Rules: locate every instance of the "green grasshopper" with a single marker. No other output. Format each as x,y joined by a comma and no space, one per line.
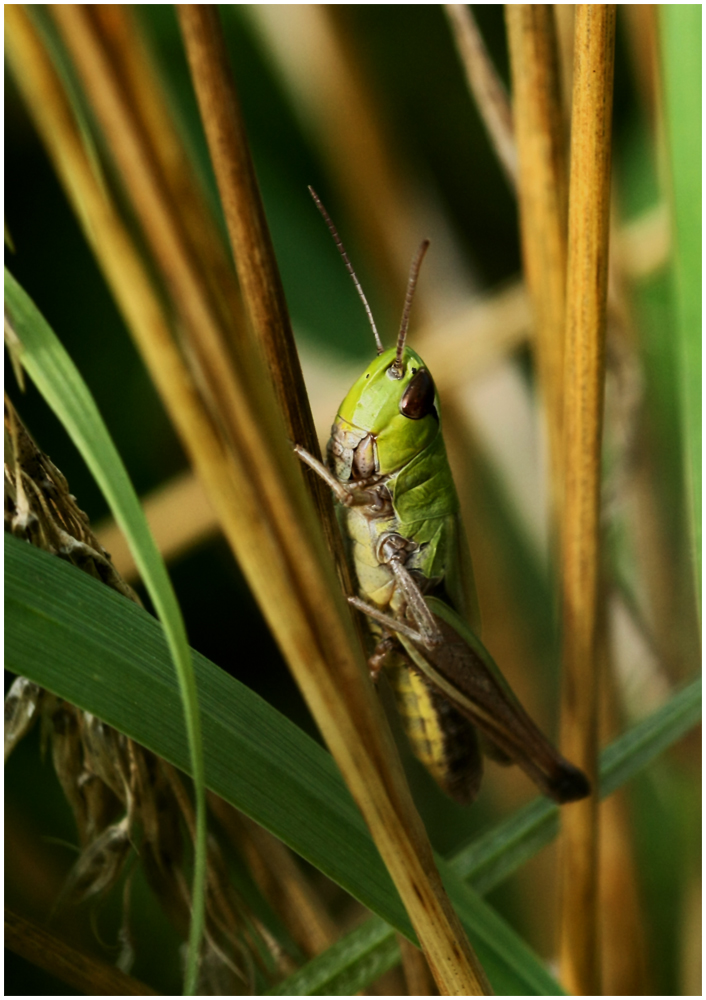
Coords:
388,469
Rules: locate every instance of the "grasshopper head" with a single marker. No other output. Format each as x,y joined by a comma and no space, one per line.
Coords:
391,414
395,402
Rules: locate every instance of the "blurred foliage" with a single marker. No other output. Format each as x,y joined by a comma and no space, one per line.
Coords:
407,56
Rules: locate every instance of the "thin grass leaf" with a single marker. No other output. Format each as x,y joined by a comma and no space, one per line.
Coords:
347,967
681,51
60,383
109,657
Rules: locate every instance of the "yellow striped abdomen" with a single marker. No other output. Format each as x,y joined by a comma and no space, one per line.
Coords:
442,739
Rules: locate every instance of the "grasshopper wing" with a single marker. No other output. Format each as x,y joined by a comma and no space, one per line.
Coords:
463,671
459,582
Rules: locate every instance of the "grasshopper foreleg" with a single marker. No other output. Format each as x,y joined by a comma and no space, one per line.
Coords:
350,495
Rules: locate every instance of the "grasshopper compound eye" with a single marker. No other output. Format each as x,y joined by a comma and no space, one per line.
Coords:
418,399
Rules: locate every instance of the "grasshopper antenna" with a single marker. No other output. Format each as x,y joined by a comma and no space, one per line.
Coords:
349,266
396,366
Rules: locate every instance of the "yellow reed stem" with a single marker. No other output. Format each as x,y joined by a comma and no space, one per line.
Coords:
230,426
589,199
251,244
542,189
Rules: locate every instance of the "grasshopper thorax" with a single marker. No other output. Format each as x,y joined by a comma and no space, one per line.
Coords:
391,414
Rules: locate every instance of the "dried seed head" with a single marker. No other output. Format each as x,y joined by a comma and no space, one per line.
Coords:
105,775
22,704
100,865
106,756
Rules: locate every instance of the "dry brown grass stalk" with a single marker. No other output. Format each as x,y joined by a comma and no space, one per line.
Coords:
622,938
141,80
542,189
237,442
564,21
623,944
328,83
467,344
83,973
249,235
417,977
589,199
486,87
280,880
251,244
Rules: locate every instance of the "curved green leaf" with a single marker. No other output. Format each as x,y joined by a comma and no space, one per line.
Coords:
93,647
59,381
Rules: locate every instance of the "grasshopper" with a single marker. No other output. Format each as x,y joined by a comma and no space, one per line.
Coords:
399,511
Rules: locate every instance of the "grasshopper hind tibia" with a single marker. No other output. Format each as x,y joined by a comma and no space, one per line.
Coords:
570,785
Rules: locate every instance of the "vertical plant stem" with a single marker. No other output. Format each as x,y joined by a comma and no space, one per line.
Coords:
237,440
564,21
486,86
249,235
314,48
264,300
589,199
543,205
622,931
140,76
251,243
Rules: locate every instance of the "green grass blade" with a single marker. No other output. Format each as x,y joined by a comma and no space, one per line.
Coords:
370,950
89,645
348,966
640,745
681,59
497,854
59,381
